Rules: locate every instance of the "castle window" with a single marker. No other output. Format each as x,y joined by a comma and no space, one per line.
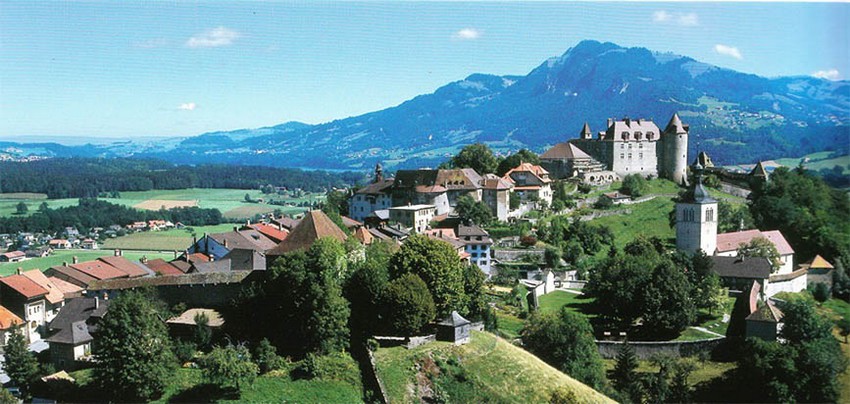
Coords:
622,146
630,155
638,135
625,135
630,145
622,155
640,145
640,155
649,135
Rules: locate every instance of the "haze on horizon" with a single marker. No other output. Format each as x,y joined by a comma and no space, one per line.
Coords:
114,70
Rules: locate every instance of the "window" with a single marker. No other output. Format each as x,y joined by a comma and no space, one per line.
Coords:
622,155
640,146
482,262
630,155
630,146
640,155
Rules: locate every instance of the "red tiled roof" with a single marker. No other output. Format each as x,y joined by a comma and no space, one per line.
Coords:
24,286
536,170
272,232
820,263
99,270
349,222
54,294
79,278
198,257
363,235
566,150
124,265
163,268
731,241
8,319
68,289
14,254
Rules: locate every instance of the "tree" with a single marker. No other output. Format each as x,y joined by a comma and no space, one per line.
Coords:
733,217
21,208
514,200
669,308
840,281
203,332
437,263
625,377
365,287
20,364
552,257
471,211
336,201
514,160
473,288
802,323
634,185
821,292
565,341
248,198
761,247
680,390
267,357
476,156
230,366
134,357
410,303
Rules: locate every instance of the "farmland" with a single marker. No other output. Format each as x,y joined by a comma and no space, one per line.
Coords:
231,202
174,239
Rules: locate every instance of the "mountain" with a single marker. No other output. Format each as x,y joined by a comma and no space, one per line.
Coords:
736,117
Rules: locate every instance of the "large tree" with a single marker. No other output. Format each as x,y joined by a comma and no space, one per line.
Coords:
471,211
514,160
230,366
761,247
410,304
20,364
624,376
134,358
634,185
438,264
565,341
476,156
365,287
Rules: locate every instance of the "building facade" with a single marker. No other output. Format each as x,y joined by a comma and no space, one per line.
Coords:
696,220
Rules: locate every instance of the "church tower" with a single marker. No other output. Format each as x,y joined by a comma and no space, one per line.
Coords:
675,151
696,219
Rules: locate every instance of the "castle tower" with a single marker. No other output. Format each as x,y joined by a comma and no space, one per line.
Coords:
585,132
675,155
696,219
379,173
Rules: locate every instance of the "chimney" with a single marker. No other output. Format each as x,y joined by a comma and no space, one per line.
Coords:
248,223
75,260
610,122
186,254
117,252
144,259
96,302
225,243
235,228
64,263
175,254
18,271
105,296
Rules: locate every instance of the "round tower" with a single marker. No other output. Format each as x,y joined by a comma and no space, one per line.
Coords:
676,151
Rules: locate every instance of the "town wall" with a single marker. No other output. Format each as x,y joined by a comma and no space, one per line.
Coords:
647,349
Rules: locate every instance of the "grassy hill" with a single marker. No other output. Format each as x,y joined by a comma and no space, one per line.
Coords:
487,369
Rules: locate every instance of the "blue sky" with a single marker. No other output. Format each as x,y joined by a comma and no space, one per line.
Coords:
157,68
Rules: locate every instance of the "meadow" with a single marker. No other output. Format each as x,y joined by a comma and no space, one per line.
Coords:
231,202
173,239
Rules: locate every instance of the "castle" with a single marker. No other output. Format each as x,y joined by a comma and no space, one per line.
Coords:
626,147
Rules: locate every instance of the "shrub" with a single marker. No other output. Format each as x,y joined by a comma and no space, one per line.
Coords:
333,366
821,292
410,304
184,350
268,359
528,241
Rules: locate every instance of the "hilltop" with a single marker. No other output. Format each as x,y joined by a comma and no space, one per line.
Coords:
488,367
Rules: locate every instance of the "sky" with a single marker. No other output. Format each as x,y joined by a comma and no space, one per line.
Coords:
165,68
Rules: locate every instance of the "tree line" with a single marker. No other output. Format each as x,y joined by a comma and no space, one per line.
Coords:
88,177
91,212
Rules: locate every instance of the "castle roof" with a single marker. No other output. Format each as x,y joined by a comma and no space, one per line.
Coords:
585,130
675,125
758,170
630,126
565,151
766,313
819,262
315,225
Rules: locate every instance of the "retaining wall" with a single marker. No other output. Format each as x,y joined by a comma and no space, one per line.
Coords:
645,350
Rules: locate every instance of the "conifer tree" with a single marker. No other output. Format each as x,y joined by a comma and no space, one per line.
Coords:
20,364
625,377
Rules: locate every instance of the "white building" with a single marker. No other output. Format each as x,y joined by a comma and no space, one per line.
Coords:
417,217
477,244
696,220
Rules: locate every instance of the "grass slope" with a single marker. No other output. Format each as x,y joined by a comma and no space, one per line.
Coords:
494,371
174,239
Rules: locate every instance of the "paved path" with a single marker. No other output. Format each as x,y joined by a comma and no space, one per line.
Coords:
703,329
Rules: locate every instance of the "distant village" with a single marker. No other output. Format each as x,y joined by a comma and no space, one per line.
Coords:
62,305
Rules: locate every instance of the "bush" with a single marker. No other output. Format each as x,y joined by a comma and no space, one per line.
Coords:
584,188
268,359
821,292
184,350
410,304
634,185
333,366
603,203
528,241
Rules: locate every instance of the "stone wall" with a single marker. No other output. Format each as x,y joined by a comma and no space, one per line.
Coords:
508,255
645,350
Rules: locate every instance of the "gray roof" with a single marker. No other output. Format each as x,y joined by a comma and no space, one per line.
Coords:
250,239
71,325
741,267
186,279
472,230
454,320
246,260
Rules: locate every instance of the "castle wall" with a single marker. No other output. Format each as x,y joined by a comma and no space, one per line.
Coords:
635,157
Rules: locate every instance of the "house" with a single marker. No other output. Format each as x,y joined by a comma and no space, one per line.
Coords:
417,217
315,225
73,331
447,236
9,323
137,226
161,267
616,197
132,269
26,299
739,273
13,256
531,182
477,243
285,222
68,289
184,325
236,260
89,244
765,322
55,298
495,193
98,269
38,252
454,328
372,197
59,244
70,275
71,232
420,187
217,245
728,243
364,236
275,233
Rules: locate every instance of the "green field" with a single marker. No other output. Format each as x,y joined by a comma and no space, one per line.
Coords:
646,219
553,302
231,202
174,239
60,256
488,369
188,386
816,161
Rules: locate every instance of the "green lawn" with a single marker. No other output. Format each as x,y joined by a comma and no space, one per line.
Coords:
646,219
553,302
187,385
174,239
704,371
509,325
60,256
488,369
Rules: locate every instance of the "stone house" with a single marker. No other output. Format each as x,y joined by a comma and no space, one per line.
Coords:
530,182
9,323
26,299
73,331
417,217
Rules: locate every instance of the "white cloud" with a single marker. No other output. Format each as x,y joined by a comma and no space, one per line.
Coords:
467,33
831,74
728,51
187,106
681,19
215,37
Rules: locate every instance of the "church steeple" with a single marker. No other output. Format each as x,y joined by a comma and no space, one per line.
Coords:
585,132
696,218
379,173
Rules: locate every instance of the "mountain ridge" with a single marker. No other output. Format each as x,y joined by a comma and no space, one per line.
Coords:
737,117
